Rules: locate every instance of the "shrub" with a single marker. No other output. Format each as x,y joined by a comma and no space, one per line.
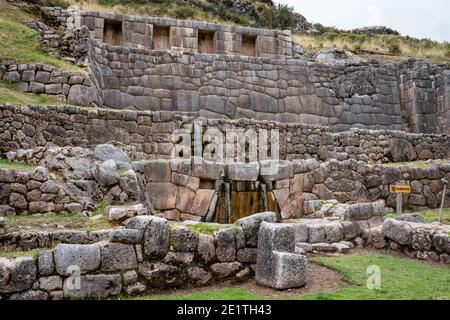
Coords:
278,17
393,47
50,3
182,12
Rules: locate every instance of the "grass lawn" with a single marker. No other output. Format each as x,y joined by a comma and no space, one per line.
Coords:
430,216
420,164
10,93
52,221
400,279
20,166
17,254
19,43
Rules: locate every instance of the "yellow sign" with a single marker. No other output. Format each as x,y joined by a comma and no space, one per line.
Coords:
401,189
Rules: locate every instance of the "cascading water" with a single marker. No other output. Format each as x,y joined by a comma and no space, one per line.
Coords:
241,199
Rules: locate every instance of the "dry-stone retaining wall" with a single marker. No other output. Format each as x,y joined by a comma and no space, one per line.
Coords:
365,95
421,241
149,134
342,93
149,253
37,78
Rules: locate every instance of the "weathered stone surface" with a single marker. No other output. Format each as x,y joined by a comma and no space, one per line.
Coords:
183,239
139,222
50,283
120,214
30,295
46,263
118,257
162,195
276,170
93,286
251,225
243,171
277,265
400,232
247,255
179,258
410,218
128,236
158,171
206,249
156,238
79,95
441,242
129,277
69,256
225,269
106,173
199,275
201,202
17,275
291,271
226,245
106,152
160,275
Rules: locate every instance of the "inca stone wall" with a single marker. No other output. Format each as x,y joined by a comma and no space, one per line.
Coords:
150,134
37,78
365,95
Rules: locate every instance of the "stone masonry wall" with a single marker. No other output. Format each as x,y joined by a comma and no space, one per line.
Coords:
149,134
37,78
362,95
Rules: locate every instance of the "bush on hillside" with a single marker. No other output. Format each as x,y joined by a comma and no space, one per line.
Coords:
278,17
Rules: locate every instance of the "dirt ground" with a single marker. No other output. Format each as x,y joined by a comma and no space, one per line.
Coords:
320,279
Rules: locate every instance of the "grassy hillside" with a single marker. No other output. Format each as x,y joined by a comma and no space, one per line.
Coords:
385,47
19,43
9,93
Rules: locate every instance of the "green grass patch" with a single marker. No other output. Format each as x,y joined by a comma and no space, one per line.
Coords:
17,254
221,294
414,164
205,228
10,93
20,166
52,221
401,279
20,43
430,216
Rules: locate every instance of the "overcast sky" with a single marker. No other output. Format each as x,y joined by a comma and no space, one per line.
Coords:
417,18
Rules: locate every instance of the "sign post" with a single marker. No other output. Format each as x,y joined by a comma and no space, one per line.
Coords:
399,190
445,182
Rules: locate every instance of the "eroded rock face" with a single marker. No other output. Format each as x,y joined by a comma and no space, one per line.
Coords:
17,275
400,232
251,225
277,264
93,286
160,275
85,258
156,238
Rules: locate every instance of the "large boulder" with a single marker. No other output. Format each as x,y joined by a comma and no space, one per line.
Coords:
84,257
277,264
106,173
226,245
160,275
118,257
79,95
156,238
93,286
17,275
106,152
251,225
183,239
399,231
401,150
